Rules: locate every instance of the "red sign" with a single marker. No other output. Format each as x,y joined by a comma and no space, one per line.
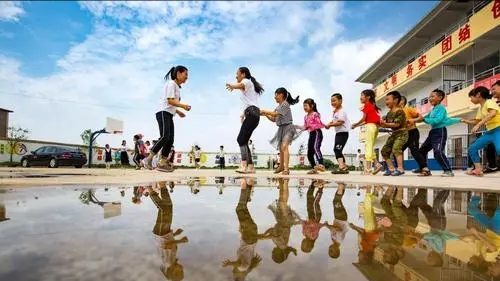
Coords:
488,82
496,9
394,80
446,45
464,34
409,70
301,160
422,62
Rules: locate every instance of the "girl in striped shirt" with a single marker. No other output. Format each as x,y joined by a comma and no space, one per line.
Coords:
312,123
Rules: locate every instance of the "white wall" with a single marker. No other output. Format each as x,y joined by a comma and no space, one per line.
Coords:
181,158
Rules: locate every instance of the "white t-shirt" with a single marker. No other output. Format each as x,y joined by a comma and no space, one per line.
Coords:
339,234
341,115
248,95
171,91
197,154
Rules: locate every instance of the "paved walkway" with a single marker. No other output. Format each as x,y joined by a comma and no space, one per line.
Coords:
15,177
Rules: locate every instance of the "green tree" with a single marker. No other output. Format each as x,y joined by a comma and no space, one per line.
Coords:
85,135
16,136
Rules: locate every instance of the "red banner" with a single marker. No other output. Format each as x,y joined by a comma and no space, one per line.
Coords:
488,81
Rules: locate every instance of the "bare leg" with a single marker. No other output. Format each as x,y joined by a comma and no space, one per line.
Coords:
285,155
341,163
399,160
390,165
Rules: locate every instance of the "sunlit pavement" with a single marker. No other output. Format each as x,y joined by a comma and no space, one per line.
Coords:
19,177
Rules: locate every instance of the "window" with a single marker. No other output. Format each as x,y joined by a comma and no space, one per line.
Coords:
412,103
50,149
424,101
40,150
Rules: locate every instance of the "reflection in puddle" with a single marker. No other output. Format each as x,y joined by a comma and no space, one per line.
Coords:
248,229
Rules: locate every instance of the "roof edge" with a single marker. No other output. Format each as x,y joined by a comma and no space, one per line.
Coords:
442,5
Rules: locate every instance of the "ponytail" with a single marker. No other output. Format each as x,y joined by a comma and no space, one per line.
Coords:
287,96
172,73
370,94
311,103
257,86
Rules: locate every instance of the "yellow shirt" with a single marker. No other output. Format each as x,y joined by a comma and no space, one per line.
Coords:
411,113
482,250
483,112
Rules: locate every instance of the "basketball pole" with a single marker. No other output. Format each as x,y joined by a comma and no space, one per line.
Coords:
93,137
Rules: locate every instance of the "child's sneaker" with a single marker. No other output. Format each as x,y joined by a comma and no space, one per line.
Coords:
320,168
448,174
312,172
148,163
164,167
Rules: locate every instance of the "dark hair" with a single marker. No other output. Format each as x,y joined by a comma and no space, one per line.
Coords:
288,97
337,95
482,91
312,104
395,95
440,93
370,94
404,100
496,83
172,73
256,85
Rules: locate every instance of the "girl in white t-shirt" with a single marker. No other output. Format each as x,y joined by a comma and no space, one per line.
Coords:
197,156
250,92
342,127
169,105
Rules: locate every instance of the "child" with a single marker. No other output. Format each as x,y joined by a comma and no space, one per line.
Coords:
312,123
171,157
413,133
395,120
170,105
282,116
369,235
312,226
107,156
339,227
197,156
436,139
487,114
165,235
156,158
371,120
139,151
222,158
342,126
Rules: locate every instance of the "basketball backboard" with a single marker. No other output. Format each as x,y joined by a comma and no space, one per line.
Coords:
114,126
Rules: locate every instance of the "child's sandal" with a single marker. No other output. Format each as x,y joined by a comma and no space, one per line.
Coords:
286,172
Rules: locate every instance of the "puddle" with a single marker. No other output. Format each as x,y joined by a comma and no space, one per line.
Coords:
245,229
21,175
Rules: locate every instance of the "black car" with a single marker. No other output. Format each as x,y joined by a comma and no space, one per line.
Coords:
54,156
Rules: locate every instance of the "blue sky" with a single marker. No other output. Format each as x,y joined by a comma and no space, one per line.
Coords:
67,65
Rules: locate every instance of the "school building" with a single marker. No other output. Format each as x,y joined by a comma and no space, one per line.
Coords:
454,48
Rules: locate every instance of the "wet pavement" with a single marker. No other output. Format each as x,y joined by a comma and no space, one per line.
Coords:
227,228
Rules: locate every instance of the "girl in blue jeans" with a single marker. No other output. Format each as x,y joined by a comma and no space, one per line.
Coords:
487,114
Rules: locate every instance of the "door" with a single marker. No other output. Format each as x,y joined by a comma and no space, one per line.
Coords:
37,156
47,155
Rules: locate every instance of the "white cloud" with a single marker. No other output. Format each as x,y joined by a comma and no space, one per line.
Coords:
11,10
293,45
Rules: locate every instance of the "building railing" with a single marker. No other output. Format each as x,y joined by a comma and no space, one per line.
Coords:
435,40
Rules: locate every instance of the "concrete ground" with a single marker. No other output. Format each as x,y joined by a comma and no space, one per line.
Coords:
16,177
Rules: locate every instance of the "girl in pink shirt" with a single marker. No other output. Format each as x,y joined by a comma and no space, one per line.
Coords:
312,123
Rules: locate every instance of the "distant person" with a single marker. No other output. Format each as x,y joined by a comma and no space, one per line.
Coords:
107,156
360,158
148,146
222,158
140,151
171,157
197,156
124,154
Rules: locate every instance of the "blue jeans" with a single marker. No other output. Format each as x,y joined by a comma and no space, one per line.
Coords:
491,136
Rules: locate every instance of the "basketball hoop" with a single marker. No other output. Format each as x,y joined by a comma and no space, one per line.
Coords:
117,132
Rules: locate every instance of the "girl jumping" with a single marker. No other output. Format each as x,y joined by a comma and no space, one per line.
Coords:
312,123
342,126
371,120
250,92
487,114
282,115
175,77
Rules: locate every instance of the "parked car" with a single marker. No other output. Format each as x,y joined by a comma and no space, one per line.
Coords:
54,156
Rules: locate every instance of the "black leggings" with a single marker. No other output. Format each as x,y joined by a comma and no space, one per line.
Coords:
166,140
413,143
314,147
137,159
252,118
340,141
